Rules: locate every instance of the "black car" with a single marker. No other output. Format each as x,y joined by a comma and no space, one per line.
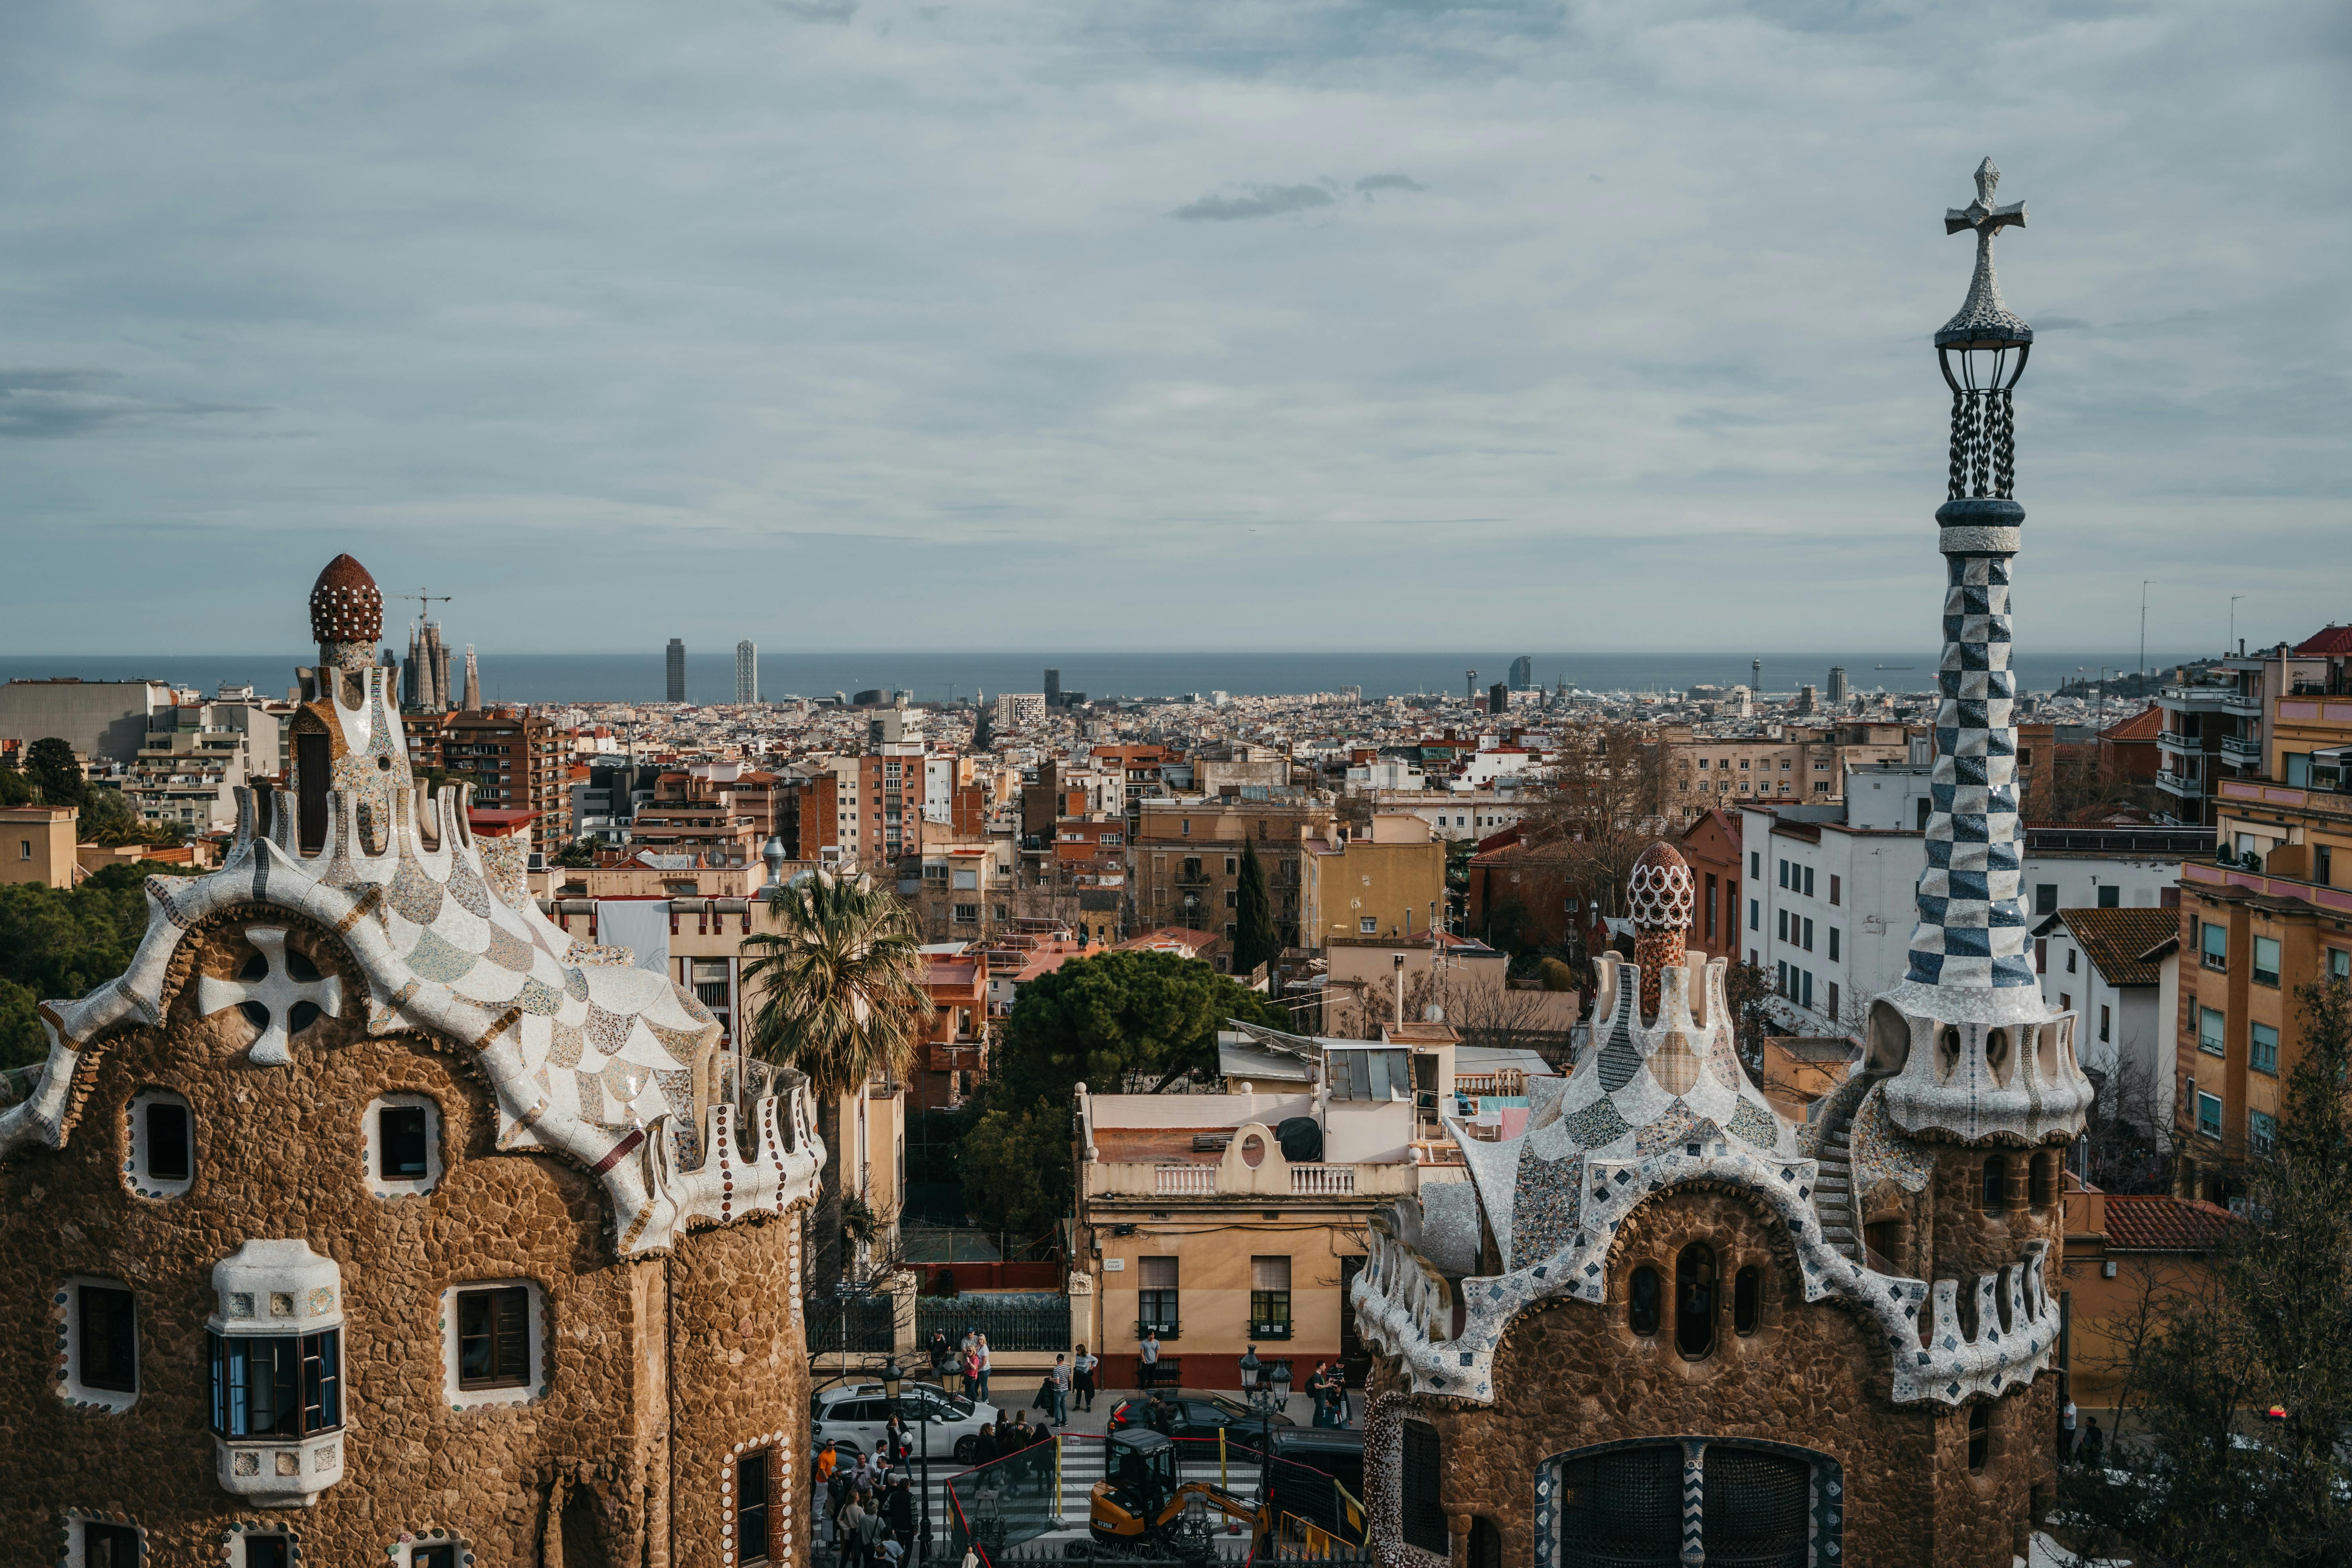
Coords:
1194,1416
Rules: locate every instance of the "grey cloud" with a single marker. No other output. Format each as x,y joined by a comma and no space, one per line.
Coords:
2062,324
818,10
1390,183
36,404
1264,201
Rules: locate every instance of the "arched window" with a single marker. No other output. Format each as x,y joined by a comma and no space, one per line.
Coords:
1996,1183
1695,1303
1642,1301
1980,1437
1747,1301
2045,1179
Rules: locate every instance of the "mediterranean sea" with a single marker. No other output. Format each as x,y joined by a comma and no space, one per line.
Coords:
539,677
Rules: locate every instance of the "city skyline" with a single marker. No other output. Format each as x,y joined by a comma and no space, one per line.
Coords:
1515,315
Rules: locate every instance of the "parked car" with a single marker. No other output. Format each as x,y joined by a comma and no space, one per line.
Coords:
1195,1415
854,1415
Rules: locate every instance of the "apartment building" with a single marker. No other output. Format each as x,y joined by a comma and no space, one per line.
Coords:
2270,913
516,761
1830,907
1386,879
1188,858
1216,1222
1455,814
2214,728
953,1058
2116,969
965,888
98,719
194,757
1801,766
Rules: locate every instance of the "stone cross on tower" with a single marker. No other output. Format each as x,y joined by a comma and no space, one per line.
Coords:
1983,320
276,992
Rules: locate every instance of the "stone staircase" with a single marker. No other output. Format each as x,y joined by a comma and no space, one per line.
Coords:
1834,1197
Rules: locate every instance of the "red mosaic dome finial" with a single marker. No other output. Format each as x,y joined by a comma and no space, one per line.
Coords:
345,605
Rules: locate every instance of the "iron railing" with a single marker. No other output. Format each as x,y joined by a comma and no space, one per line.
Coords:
1012,1321
850,1324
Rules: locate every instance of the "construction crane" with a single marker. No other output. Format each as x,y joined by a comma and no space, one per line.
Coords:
424,601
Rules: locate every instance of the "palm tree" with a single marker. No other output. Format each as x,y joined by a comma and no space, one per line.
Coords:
841,998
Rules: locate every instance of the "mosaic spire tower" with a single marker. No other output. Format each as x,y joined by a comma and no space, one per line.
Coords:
1976,1050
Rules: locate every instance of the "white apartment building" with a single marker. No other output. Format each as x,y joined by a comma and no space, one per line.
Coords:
2117,969
1830,909
195,756
1468,815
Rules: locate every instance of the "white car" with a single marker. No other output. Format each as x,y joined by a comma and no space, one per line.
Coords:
859,1412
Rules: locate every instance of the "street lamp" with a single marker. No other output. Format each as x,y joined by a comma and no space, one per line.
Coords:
1265,1394
894,1377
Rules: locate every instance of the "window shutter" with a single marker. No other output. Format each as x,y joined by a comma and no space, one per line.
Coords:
513,1330
1158,1273
1269,1273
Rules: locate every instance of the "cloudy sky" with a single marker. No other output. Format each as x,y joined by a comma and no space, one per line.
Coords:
1140,323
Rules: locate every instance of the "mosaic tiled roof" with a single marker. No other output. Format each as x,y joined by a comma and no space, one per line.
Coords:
610,1065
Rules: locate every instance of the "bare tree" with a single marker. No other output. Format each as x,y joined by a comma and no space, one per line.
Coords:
1615,789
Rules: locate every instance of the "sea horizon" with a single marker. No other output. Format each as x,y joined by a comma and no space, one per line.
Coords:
936,676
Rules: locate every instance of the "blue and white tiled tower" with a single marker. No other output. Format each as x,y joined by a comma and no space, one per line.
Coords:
1975,1049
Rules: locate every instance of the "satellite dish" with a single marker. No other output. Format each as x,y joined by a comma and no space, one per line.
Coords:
1432,1013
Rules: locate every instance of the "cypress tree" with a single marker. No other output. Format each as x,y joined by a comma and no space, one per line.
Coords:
1253,940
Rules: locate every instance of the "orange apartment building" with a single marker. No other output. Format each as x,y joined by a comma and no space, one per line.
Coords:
516,761
2272,913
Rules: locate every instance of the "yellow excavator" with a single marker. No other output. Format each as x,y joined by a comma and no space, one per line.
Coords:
1141,1502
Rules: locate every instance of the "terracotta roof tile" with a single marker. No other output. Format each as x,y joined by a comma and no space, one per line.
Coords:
2333,639
2155,1222
2116,938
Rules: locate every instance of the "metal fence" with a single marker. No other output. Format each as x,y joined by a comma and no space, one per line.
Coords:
853,1324
1012,1320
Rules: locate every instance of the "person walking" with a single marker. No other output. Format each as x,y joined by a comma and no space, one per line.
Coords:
1060,1385
1082,1369
970,1371
845,1526
1147,1359
2066,1431
943,1357
982,1350
899,1509
2095,1446
871,1532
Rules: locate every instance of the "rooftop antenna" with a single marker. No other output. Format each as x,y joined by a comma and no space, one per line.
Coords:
2140,674
2234,625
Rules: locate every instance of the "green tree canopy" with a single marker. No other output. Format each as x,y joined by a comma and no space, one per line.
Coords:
1121,1022
16,789
56,943
1253,940
49,763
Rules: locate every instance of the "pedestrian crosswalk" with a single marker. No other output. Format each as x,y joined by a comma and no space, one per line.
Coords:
1065,1513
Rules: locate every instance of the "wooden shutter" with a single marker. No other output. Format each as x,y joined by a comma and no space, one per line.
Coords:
510,1353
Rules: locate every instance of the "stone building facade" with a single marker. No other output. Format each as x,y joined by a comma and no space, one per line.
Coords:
369,1217
1667,1325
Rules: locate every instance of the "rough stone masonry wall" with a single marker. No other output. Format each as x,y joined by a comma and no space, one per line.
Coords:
1813,1374
578,1476
738,1380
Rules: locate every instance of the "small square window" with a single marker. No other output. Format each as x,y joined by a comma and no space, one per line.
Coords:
2262,1133
2266,961
2210,1032
264,1551
104,1328
2262,1048
495,1334
105,1545
2209,1114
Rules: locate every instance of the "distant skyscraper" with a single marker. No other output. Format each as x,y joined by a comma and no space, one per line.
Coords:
747,671
1522,672
1469,685
1351,694
473,703
1837,686
1052,688
1498,698
1756,678
425,678
676,669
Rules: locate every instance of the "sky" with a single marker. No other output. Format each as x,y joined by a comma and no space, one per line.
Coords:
1159,323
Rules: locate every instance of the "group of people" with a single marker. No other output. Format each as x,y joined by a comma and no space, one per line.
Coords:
2093,1441
1328,1387
967,1359
868,1508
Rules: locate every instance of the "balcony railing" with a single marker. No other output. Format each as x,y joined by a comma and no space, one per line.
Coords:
2173,784
1184,1181
2242,750
1322,1181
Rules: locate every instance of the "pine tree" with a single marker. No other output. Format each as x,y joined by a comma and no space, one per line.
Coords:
1254,924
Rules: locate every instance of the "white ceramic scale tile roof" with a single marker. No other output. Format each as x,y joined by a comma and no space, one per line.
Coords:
589,1057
